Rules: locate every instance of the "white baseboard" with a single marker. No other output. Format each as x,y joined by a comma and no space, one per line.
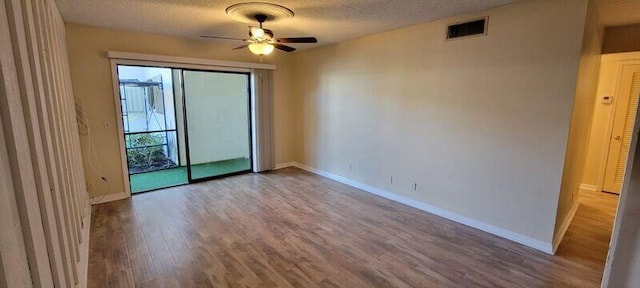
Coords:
557,239
83,264
501,232
589,187
285,165
108,198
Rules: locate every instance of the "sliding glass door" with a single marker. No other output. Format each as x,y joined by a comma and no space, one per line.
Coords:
217,109
183,126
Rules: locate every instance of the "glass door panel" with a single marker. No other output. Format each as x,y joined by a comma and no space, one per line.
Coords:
217,120
149,124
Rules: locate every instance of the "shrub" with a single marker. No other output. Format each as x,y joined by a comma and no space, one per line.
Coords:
145,150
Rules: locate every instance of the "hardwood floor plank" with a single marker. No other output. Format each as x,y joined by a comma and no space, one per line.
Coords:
162,260
291,228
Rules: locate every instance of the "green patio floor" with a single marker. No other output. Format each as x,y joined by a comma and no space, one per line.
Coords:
178,176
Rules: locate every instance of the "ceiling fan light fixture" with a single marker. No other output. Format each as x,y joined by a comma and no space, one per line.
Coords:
257,32
261,40
263,48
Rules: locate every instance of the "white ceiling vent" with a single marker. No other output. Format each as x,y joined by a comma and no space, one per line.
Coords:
469,28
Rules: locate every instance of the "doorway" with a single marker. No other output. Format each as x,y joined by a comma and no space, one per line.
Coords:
626,105
606,165
615,109
183,126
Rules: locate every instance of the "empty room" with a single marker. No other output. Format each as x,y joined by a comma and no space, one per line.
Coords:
300,143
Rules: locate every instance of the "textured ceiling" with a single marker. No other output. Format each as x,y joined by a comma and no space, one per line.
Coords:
329,20
619,12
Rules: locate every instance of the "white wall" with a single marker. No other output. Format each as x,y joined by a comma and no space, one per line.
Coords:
480,124
217,116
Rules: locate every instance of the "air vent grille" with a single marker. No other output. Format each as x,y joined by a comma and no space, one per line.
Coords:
468,28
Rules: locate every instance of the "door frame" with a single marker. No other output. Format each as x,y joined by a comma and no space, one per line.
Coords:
134,59
185,122
612,117
620,60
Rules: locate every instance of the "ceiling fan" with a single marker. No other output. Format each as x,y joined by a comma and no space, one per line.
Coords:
261,40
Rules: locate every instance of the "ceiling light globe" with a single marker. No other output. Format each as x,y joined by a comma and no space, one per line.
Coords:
257,32
261,48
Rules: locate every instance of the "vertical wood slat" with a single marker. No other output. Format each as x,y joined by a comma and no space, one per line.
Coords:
72,145
51,133
71,120
43,145
60,159
83,198
68,119
69,108
62,125
13,262
20,146
40,139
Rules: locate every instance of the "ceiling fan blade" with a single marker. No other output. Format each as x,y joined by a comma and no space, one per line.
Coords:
241,47
284,47
298,40
223,38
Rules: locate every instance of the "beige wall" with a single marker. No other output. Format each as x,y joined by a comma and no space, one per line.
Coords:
480,124
622,39
91,75
581,119
593,176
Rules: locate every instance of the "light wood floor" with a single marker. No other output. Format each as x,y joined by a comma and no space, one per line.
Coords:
290,228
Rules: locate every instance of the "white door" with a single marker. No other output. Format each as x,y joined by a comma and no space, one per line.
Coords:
626,105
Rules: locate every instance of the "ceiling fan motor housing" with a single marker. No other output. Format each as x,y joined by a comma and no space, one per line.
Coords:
261,18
